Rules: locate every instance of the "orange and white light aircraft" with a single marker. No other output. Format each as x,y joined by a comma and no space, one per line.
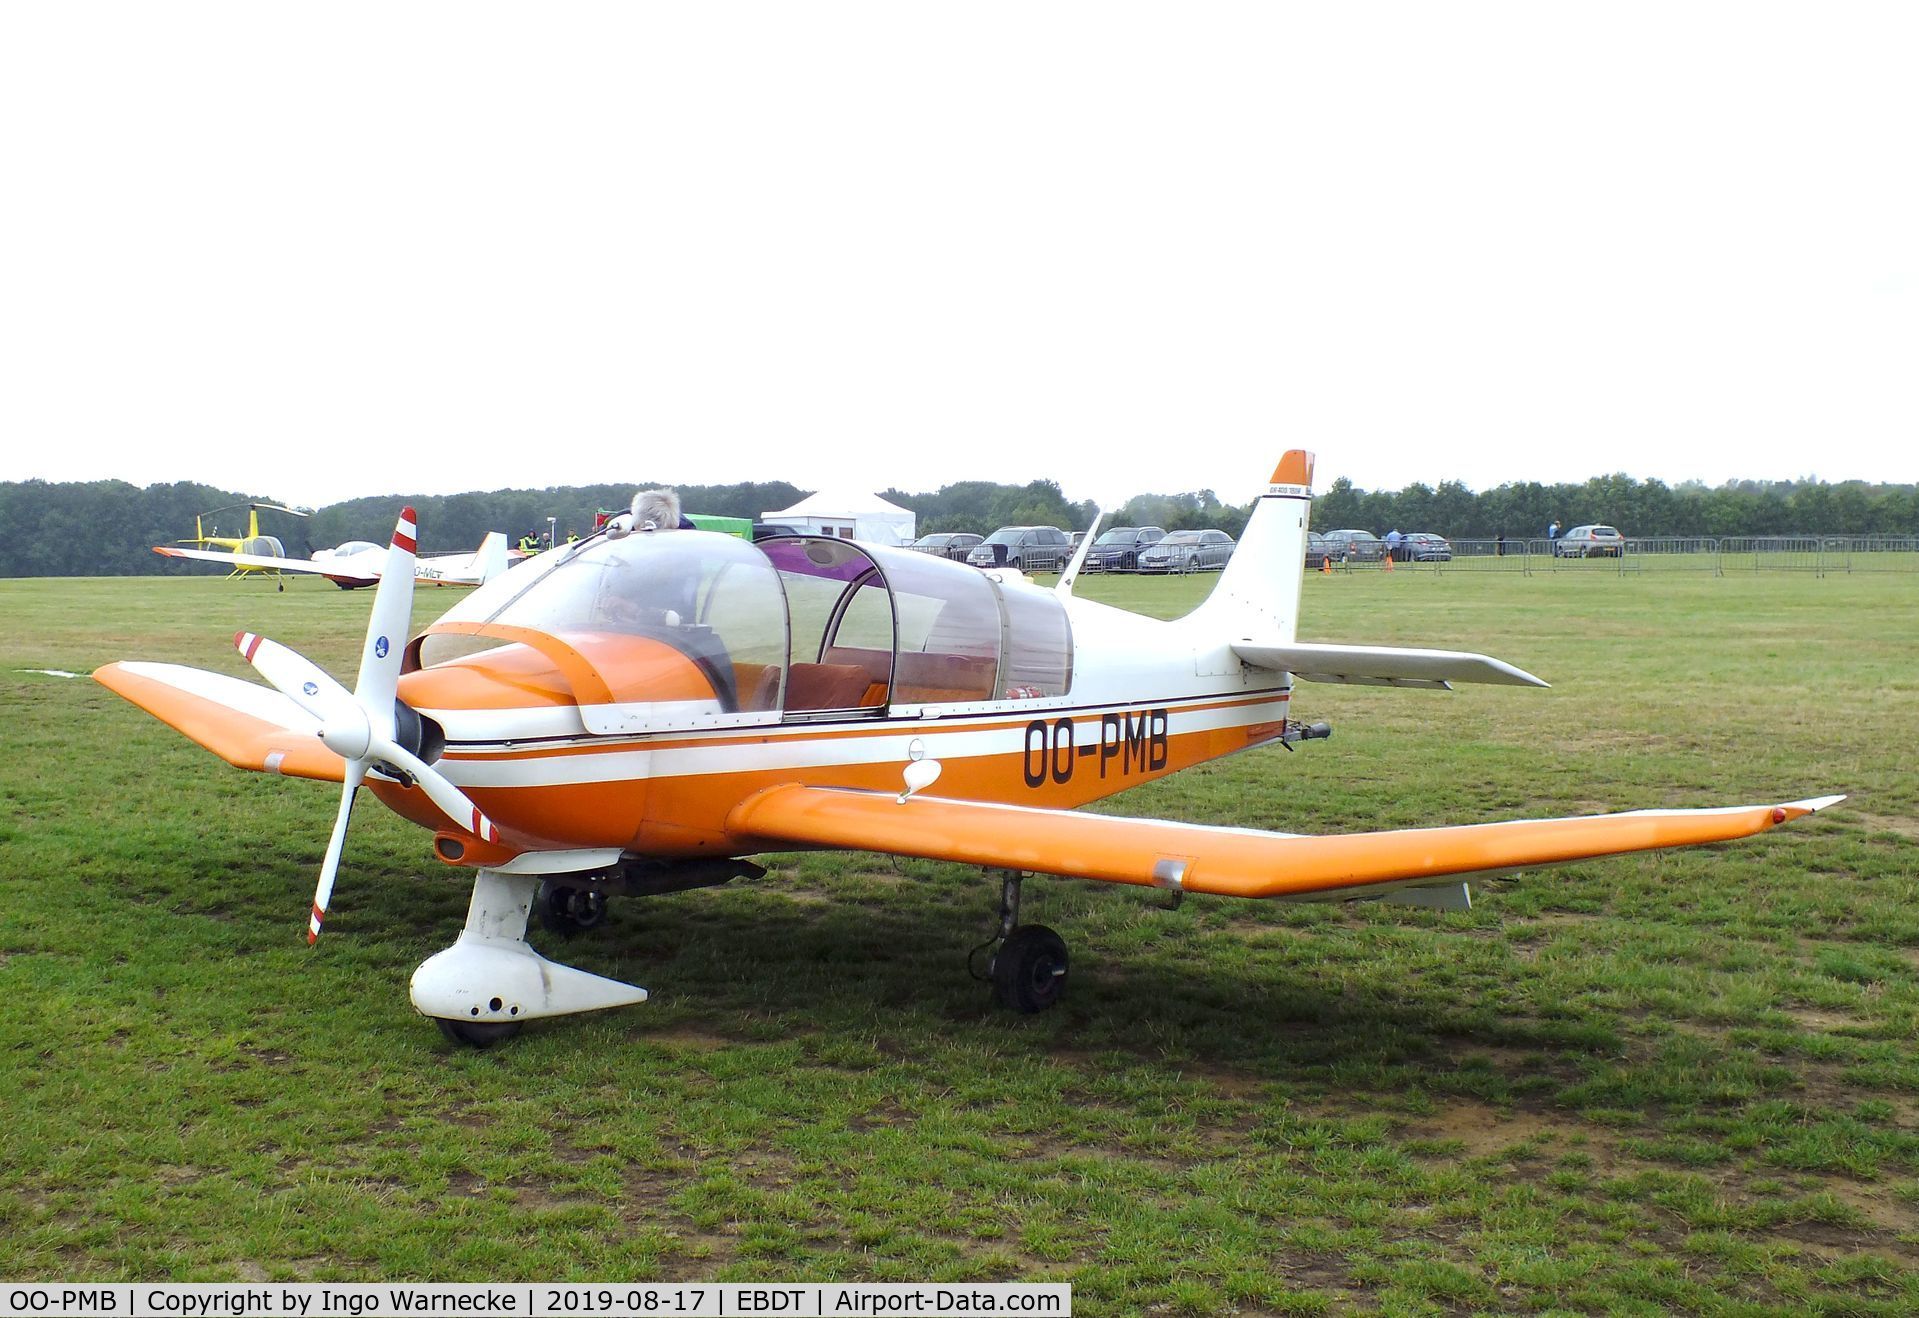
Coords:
361,562
637,712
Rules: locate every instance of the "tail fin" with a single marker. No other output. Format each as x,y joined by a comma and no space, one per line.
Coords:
1257,596
489,561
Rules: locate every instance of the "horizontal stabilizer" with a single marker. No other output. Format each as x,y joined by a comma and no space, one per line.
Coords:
1381,665
1234,862
245,724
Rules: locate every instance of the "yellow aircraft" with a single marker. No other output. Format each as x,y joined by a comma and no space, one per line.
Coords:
265,546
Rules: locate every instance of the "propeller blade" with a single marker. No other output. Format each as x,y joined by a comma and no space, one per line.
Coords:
295,676
387,628
453,802
355,772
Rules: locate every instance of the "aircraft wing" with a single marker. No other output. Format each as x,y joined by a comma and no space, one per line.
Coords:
1382,665
261,561
1235,862
251,726
467,569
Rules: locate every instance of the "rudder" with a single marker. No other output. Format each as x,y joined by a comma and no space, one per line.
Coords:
1257,594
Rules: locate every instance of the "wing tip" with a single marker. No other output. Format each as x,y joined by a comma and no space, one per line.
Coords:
1811,805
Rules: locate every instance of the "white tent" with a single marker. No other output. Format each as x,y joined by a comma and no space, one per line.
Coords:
850,515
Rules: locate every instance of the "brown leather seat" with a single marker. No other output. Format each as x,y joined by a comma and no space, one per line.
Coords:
825,686
758,685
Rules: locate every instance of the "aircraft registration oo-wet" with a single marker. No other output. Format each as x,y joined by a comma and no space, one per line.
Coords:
640,711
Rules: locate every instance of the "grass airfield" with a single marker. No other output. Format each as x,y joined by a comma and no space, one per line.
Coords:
1674,1082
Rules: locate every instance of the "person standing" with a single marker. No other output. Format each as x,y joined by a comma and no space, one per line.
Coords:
1393,539
1552,532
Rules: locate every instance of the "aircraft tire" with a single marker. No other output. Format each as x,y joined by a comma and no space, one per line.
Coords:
1029,970
569,911
477,1034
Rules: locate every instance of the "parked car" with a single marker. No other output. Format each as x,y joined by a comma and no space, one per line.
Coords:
1590,542
1028,548
1316,550
767,530
1352,546
1117,549
1424,547
1187,551
947,544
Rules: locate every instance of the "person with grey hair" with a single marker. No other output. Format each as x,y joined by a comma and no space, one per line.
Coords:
659,510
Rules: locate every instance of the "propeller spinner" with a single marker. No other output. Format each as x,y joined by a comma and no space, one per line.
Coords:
359,725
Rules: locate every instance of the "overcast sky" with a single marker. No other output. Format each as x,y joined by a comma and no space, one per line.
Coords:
324,251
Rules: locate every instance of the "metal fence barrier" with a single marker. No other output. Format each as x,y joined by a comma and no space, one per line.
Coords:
1671,553
1483,556
1821,555
1881,553
1775,553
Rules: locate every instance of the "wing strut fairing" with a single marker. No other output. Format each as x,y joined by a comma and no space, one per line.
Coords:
1234,862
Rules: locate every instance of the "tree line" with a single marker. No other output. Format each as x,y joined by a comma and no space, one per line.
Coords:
109,528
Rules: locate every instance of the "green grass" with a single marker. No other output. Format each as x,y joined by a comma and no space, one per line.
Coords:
1683,1081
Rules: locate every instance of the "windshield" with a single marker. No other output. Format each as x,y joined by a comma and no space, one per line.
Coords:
1119,535
713,598
1182,538
1008,536
802,627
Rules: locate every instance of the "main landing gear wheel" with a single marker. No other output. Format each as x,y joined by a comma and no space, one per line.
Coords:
477,1034
1029,970
1028,965
566,910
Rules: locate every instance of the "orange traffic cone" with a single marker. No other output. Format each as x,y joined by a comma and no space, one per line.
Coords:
1326,565
1389,560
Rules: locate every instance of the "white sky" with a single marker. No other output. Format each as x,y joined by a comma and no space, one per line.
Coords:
323,251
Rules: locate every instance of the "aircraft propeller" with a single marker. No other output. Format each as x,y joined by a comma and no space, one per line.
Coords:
359,725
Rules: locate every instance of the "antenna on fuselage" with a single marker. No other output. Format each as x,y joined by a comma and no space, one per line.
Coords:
1064,587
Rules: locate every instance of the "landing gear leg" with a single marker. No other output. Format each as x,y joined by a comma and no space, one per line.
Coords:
479,990
1028,961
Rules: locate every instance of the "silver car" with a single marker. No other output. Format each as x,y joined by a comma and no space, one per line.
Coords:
1187,551
1590,542
947,544
1027,548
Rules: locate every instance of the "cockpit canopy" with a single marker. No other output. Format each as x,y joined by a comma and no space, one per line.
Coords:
800,627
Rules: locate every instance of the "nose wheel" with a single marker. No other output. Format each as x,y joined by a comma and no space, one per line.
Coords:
477,1034
480,990
1027,962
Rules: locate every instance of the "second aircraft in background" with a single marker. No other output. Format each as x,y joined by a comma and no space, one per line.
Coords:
360,562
